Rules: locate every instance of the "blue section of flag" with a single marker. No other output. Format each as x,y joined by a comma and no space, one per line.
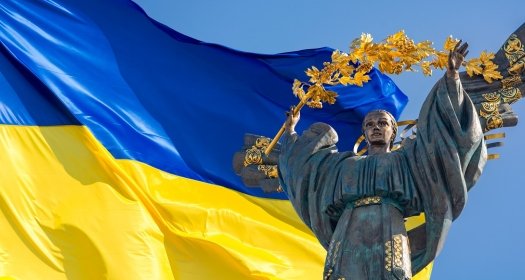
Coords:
154,95
25,100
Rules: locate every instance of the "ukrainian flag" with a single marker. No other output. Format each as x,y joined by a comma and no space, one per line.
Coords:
116,141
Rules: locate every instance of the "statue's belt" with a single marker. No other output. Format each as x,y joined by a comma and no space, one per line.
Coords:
373,200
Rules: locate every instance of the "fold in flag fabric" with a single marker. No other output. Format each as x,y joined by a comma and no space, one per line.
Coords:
116,140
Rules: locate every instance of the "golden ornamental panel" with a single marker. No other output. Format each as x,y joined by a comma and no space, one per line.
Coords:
397,255
513,49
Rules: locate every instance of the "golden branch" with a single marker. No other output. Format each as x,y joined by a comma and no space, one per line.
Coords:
394,55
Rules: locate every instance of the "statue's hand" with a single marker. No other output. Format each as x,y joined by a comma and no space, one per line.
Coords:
291,120
456,58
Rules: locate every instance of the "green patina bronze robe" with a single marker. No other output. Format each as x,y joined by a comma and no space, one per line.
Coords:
356,205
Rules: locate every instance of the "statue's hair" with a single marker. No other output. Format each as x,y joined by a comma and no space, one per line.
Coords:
392,121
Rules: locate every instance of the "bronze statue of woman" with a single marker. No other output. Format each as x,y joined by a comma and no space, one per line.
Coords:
356,205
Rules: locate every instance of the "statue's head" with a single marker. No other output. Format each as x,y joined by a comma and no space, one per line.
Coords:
380,129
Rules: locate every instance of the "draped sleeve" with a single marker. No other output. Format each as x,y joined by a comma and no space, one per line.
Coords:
446,159
310,169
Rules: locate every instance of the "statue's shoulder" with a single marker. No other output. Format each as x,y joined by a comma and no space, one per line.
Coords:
321,130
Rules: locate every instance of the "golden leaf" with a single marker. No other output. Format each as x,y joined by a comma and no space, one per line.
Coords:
360,78
313,73
346,70
490,72
425,67
473,66
356,55
426,47
450,43
315,101
365,67
345,80
385,67
340,57
328,96
396,37
297,89
486,57
366,38
395,54
441,60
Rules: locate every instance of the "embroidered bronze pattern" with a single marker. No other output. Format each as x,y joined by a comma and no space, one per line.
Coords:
367,201
397,254
328,274
331,258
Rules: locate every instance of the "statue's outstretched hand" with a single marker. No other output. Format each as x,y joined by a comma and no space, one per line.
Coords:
456,58
291,119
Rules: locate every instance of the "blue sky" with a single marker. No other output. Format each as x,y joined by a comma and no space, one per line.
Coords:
486,240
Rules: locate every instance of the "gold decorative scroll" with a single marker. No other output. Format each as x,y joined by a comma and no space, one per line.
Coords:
255,153
515,54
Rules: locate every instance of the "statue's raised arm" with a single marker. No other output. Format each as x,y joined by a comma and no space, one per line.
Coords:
446,158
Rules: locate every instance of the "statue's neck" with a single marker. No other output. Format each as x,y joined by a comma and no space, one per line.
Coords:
378,149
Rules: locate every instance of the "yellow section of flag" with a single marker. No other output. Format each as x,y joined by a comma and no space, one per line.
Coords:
69,210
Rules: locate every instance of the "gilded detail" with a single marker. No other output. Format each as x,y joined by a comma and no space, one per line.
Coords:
262,142
511,81
269,170
490,106
367,201
494,121
510,95
397,254
253,156
492,97
331,258
490,109
513,49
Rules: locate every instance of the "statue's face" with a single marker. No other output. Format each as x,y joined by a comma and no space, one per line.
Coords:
377,128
